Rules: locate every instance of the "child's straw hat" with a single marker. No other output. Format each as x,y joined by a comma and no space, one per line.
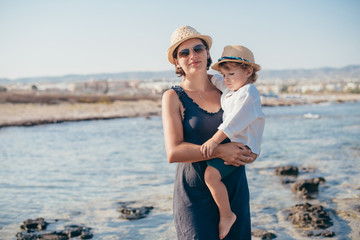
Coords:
237,53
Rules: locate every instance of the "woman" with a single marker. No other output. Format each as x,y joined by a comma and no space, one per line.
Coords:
191,114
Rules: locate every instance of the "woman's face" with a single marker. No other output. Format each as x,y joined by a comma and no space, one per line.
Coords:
192,56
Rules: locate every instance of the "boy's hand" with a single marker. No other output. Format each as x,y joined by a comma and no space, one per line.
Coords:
208,147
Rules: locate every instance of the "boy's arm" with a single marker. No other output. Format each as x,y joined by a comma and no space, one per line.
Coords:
208,147
219,136
218,81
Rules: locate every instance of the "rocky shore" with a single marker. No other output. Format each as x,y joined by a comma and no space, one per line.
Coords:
33,229
29,109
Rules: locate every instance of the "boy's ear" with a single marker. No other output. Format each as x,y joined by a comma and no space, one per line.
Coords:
249,71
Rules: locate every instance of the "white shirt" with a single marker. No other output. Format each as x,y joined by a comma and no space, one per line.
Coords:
243,119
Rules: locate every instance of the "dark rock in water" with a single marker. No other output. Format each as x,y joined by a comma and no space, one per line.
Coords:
43,236
70,231
263,234
308,196
287,181
34,224
307,215
26,236
308,186
327,234
319,234
319,179
306,170
77,231
53,236
134,213
287,170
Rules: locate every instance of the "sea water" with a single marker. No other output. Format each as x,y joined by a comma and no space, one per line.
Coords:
78,172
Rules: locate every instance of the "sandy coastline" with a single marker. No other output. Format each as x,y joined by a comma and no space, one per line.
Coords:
29,112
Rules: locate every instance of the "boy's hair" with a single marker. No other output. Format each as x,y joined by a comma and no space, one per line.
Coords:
179,71
227,65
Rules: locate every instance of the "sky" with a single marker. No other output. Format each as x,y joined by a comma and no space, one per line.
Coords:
60,37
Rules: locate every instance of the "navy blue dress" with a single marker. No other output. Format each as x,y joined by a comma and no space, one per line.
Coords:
196,215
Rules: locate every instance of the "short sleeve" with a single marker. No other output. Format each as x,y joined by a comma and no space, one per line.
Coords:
218,82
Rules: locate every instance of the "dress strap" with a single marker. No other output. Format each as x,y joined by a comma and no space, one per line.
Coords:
184,98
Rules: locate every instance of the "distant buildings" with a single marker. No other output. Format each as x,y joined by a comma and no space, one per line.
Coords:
155,87
98,87
309,86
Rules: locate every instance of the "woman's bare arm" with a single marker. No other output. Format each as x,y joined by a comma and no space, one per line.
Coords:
176,149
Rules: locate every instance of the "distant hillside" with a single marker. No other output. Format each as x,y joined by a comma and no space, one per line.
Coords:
100,76
352,71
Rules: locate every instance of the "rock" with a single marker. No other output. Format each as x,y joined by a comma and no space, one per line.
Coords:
26,236
327,234
287,170
307,170
305,186
77,231
263,234
308,186
307,196
34,224
34,232
309,216
287,181
43,236
133,213
319,233
53,236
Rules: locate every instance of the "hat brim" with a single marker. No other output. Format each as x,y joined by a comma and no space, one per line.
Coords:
172,48
217,68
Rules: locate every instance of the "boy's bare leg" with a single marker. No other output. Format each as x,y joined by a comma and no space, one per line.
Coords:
220,194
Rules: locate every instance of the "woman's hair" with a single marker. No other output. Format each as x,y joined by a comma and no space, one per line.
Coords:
179,71
227,65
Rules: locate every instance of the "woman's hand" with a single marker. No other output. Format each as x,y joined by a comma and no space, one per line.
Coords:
235,154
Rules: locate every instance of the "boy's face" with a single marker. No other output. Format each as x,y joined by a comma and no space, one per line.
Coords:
235,77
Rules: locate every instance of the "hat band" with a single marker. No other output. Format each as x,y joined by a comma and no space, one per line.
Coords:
233,58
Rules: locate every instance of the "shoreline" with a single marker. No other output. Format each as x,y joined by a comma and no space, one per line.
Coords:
30,114
30,110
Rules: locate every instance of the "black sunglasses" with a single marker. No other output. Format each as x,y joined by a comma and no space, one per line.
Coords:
186,52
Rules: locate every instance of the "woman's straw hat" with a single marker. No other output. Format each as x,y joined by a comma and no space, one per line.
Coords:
182,34
237,53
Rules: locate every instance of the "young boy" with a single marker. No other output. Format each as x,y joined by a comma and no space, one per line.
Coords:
243,121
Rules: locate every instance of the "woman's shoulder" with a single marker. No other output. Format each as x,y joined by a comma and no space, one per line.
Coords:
174,89
171,103
170,93
174,94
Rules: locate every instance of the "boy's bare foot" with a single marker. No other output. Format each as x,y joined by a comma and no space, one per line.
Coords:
226,224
